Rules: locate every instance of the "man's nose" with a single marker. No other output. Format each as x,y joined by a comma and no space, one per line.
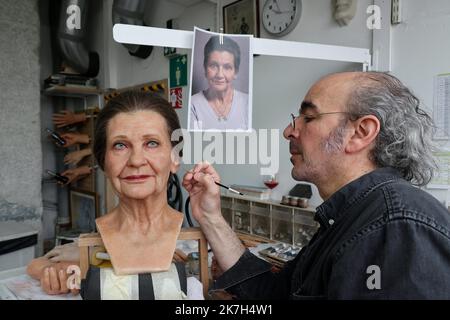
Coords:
287,131
290,132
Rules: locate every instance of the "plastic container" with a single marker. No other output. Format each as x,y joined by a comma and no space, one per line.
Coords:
225,202
241,221
286,200
302,202
282,224
304,227
260,214
241,215
293,201
228,215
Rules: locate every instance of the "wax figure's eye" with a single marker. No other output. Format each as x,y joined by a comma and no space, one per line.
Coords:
119,146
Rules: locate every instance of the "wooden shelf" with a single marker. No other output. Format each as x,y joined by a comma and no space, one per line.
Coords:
71,91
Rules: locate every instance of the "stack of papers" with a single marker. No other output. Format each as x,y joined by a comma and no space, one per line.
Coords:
261,193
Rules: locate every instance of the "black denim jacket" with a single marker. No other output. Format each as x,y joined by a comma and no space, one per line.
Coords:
379,238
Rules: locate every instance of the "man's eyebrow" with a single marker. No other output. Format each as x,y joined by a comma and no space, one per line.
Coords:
307,105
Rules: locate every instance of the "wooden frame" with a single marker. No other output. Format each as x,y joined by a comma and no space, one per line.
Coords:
87,182
83,205
241,17
88,241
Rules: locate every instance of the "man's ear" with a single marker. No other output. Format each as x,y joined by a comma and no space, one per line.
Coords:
366,130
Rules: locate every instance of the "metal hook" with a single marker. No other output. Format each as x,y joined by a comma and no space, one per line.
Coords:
221,36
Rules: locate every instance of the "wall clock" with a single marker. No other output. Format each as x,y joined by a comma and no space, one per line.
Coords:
279,17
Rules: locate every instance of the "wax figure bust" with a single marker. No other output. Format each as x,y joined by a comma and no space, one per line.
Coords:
152,251
133,146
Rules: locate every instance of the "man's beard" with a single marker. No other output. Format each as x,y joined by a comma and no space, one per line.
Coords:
310,170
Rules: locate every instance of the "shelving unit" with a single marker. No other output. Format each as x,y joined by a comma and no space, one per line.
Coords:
80,92
269,219
88,100
72,91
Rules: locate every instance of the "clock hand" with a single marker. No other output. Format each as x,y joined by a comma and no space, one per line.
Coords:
278,6
279,11
275,11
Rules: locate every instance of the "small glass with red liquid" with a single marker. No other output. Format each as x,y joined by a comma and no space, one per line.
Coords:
271,181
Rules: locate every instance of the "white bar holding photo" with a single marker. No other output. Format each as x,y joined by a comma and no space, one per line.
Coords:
183,39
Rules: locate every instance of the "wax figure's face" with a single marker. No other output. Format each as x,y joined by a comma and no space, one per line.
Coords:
317,144
138,154
220,70
344,11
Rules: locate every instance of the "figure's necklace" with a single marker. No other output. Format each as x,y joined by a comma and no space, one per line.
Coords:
222,113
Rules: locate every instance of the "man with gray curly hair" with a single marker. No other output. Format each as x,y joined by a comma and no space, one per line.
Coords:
364,141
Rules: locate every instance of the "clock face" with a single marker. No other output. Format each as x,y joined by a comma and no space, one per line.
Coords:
279,17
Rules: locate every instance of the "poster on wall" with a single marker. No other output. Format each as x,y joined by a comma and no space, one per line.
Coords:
441,108
441,178
242,17
220,95
84,209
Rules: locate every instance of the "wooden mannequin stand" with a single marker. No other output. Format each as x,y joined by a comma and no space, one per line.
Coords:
89,241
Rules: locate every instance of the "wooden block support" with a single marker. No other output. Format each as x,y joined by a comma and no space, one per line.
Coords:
88,240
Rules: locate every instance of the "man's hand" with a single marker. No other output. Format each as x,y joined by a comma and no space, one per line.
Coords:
67,117
204,193
205,205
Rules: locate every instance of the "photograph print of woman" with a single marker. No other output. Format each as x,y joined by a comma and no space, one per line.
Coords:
221,82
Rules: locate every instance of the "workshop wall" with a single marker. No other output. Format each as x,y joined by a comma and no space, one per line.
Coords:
420,51
54,198
418,45
20,128
279,83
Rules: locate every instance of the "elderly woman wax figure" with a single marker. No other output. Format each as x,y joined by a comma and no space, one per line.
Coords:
134,148
220,106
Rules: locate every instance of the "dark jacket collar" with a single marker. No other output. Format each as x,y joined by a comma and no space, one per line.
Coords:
330,211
